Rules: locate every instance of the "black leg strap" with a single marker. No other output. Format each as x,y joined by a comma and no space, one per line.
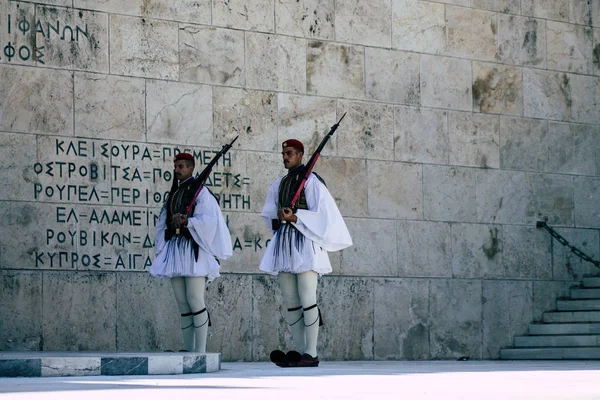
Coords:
320,319
207,320
296,309
187,315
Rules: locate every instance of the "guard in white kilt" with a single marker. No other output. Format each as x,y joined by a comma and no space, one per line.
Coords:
187,243
302,236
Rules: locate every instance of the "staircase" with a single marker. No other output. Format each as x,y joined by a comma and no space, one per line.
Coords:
570,333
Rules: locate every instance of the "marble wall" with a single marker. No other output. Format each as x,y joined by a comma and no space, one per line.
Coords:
467,121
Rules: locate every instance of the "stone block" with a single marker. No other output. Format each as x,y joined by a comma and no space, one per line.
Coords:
497,89
557,10
85,46
165,365
308,119
585,97
13,13
263,168
449,193
367,131
392,76
23,248
249,237
179,113
30,368
335,70
21,314
568,47
395,190
346,180
471,33
124,366
552,198
251,114
503,197
507,311
521,40
350,336
595,66
84,313
584,12
587,196
477,251
364,23
70,366
148,317
527,253
455,311
17,176
524,144
211,55
559,96
503,6
474,140
229,301
286,58
144,47
25,106
424,249
374,251
250,15
401,326
306,18
270,329
572,148
421,135
566,266
196,11
194,364
418,26
438,91
545,294
109,107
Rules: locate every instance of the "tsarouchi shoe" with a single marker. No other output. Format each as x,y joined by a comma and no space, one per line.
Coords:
278,357
306,360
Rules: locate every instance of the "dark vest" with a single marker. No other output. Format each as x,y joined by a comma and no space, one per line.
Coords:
176,203
289,186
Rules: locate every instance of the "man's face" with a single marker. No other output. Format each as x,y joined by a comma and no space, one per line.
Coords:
291,158
182,171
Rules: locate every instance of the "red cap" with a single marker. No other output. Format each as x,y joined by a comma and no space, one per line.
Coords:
184,156
296,144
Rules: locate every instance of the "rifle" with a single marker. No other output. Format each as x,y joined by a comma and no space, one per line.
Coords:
311,164
198,183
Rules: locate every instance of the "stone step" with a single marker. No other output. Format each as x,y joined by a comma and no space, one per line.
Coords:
565,329
586,293
571,316
552,353
578,305
47,363
558,341
591,282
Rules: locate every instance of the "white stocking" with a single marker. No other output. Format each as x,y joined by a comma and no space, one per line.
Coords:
187,322
195,288
307,289
289,287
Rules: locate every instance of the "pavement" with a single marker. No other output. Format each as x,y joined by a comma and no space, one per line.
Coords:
463,380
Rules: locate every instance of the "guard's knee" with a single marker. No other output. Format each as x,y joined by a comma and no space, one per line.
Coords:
318,318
